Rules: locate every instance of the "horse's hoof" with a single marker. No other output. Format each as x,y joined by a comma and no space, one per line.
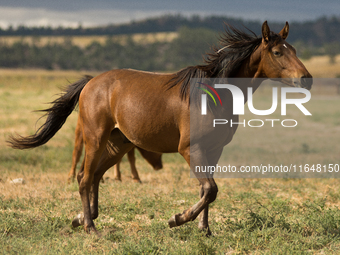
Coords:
172,221
91,230
137,180
78,221
158,167
206,231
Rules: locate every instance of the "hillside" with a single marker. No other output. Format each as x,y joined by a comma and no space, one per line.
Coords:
166,43
313,33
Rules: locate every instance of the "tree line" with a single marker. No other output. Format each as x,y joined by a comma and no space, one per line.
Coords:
313,33
185,50
194,40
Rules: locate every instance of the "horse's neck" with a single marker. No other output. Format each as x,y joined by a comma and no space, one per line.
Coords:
250,69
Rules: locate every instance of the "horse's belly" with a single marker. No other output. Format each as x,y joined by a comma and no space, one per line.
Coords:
152,137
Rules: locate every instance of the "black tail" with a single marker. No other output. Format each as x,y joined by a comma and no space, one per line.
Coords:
56,117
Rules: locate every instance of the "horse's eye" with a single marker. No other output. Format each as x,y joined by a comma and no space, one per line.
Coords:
276,53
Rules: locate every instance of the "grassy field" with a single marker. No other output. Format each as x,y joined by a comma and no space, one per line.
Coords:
320,67
250,216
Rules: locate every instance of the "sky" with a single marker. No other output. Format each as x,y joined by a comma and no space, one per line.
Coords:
89,13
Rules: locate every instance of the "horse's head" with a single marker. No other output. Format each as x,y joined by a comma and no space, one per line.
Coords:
279,60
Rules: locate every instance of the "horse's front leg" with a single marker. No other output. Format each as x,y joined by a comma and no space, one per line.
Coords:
203,224
208,189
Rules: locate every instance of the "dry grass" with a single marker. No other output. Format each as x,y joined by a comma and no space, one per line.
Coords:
250,216
320,67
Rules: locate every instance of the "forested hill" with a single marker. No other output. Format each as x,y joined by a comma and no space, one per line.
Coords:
314,33
194,36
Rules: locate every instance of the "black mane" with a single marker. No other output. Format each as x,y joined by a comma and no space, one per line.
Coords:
225,61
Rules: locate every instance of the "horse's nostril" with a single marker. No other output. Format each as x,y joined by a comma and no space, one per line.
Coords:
306,82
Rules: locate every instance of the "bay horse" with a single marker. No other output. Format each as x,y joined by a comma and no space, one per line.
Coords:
123,108
153,158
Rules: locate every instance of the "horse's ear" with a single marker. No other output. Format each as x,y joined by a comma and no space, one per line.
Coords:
265,32
284,32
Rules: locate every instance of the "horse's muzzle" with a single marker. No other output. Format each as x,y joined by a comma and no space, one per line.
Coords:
306,82
303,82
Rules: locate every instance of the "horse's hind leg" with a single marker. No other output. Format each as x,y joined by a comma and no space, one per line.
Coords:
81,171
117,175
77,151
95,138
115,149
107,160
132,161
